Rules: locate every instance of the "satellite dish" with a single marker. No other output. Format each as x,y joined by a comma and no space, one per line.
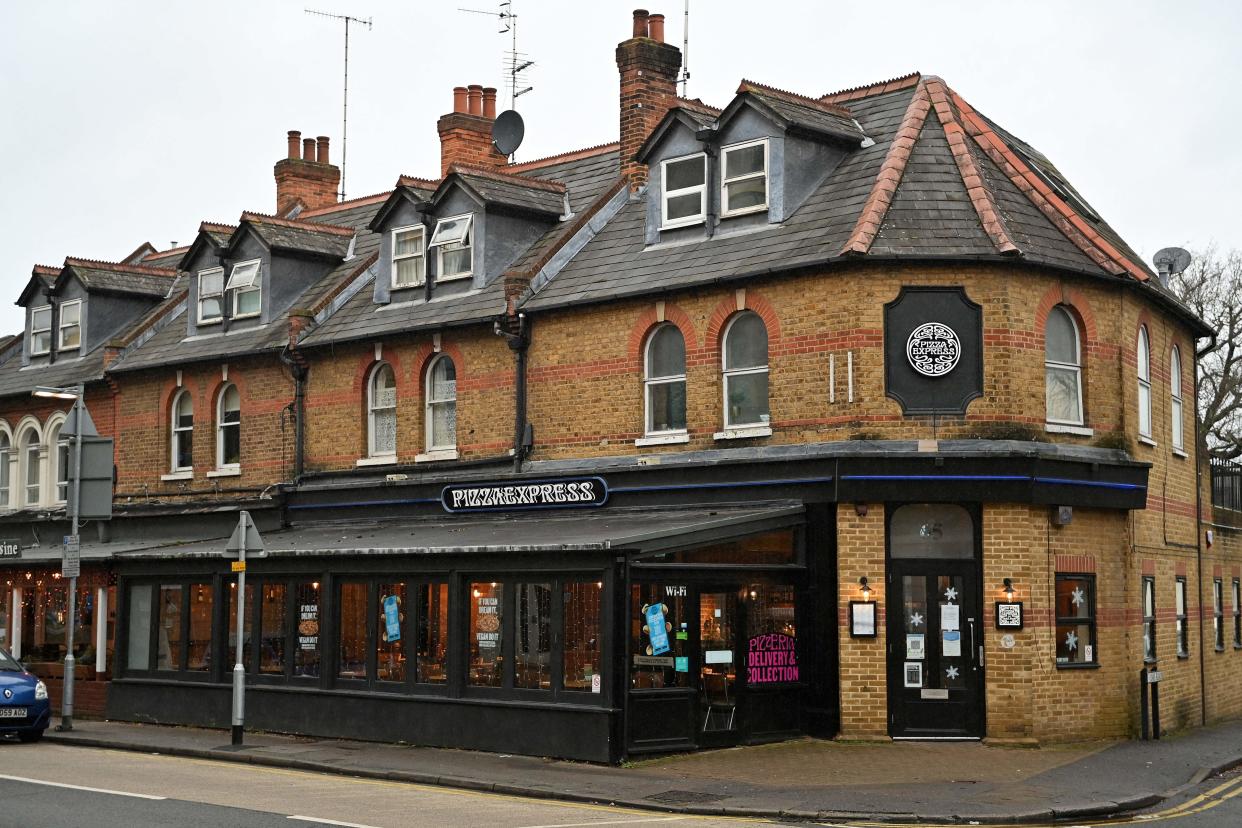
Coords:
507,132
1171,261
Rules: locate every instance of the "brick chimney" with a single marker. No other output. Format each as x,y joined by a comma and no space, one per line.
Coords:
648,68
306,176
466,132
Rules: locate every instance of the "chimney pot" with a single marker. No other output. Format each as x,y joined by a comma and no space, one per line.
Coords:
308,149
640,22
656,27
321,151
295,138
476,99
459,99
489,102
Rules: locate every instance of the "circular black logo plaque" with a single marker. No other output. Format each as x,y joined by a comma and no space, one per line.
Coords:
933,349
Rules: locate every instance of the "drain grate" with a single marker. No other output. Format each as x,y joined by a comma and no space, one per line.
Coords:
685,797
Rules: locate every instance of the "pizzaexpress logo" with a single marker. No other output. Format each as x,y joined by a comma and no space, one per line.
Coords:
537,494
933,349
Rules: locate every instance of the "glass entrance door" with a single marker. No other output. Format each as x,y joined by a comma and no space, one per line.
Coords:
718,666
935,635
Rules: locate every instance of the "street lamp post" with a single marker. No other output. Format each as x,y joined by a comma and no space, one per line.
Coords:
79,408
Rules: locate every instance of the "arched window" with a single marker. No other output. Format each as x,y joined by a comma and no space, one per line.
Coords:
6,453
665,381
30,465
746,372
1175,397
441,405
1143,356
58,449
182,426
382,412
228,428
1062,369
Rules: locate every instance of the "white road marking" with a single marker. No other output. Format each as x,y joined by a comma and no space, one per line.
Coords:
320,821
609,822
78,787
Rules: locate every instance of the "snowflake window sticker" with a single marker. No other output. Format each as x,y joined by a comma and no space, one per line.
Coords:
1076,598
951,673
1071,641
950,594
916,620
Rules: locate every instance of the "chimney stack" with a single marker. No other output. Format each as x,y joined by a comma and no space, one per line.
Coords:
648,68
466,132
304,176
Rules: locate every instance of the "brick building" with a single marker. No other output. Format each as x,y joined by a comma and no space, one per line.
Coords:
838,414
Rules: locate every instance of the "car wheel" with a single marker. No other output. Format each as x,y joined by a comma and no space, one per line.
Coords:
31,736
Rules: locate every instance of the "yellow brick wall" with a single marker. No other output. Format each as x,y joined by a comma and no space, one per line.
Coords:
863,676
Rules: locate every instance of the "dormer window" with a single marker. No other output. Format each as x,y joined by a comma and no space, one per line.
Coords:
246,288
41,330
452,242
744,178
210,296
70,325
409,267
685,191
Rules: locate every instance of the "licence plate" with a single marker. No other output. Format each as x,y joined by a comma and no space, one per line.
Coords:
12,712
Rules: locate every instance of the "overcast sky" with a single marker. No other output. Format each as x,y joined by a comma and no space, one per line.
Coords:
129,121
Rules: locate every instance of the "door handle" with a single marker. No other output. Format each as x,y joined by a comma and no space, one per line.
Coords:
971,622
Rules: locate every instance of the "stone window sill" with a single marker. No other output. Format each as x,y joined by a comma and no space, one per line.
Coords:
433,456
1062,428
383,460
745,433
1095,665
663,439
180,475
1179,453
1147,441
234,471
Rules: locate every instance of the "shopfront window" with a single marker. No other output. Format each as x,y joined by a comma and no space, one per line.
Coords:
582,625
485,634
931,530
168,654
534,641
198,648
390,638
272,632
139,640
433,621
659,636
353,631
771,648
306,656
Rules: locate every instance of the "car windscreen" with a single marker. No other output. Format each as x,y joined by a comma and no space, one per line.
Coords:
8,664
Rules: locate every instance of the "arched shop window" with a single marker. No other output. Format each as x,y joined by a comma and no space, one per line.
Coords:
182,429
1063,369
382,412
746,372
931,530
665,381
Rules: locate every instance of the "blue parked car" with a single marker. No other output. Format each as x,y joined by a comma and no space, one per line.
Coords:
24,708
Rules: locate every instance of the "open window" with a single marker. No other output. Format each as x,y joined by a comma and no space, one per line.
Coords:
246,288
452,242
744,178
41,330
70,326
409,268
210,295
685,191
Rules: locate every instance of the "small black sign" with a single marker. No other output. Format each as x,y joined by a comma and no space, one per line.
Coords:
933,350
562,493
10,548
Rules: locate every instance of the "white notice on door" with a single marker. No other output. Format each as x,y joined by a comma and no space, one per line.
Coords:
950,617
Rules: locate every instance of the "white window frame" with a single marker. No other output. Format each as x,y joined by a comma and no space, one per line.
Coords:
176,430
726,373
649,382
1142,358
26,463
421,255
7,454
56,447
725,181
1076,367
61,326
34,329
1177,438
666,194
465,238
210,320
221,425
246,281
429,402
372,408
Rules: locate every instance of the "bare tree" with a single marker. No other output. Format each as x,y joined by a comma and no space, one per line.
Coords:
1212,288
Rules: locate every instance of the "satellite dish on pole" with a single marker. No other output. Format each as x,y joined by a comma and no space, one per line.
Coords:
1170,261
507,132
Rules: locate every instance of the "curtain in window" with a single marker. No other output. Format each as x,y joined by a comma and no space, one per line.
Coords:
383,411
1063,369
442,405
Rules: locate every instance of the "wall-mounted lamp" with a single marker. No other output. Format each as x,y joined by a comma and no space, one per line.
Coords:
1009,588
860,509
866,588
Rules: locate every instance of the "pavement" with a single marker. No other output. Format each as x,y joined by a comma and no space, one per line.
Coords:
804,779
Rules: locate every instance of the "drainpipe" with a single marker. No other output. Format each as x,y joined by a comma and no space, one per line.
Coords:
299,372
519,343
1211,346
709,138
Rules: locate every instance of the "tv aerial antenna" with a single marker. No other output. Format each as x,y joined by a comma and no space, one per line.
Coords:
685,54
515,62
345,106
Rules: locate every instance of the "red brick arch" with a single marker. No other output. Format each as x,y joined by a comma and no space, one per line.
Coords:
648,320
1077,303
727,309
366,364
422,360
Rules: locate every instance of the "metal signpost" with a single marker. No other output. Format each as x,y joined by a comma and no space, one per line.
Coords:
245,538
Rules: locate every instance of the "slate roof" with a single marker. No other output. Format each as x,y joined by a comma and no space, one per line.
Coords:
531,194
801,112
139,280
15,380
314,238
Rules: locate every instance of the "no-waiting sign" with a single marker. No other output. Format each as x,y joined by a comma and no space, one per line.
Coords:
71,560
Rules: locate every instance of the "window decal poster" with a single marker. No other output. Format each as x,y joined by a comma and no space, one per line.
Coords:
771,658
656,628
392,617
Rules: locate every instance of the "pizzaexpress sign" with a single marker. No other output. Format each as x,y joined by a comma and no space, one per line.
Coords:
569,492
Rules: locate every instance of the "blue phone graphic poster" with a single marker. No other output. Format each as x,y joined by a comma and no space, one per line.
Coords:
656,630
392,617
